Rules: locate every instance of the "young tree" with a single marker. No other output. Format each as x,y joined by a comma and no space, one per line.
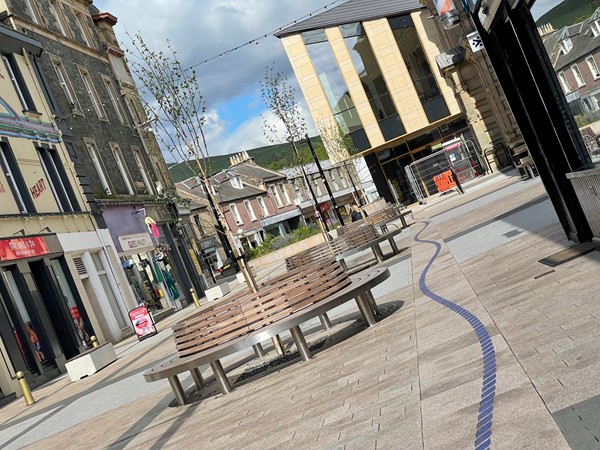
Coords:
172,98
280,97
339,146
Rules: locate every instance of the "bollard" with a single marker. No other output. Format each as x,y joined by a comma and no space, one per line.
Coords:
29,400
279,346
94,341
195,297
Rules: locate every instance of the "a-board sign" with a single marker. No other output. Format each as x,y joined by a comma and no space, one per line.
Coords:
142,322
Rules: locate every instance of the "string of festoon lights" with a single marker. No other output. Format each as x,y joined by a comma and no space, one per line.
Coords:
266,35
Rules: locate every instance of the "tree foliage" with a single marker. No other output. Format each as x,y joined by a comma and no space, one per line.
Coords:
172,99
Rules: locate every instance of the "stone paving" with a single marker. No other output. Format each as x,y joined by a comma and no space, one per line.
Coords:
414,380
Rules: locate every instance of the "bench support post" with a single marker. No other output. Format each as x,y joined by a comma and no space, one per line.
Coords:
197,377
372,303
393,245
301,344
325,322
377,252
365,309
259,351
221,377
177,389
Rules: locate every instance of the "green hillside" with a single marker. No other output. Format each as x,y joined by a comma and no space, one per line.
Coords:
569,12
275,157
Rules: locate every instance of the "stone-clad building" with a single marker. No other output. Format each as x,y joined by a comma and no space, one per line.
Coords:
99,206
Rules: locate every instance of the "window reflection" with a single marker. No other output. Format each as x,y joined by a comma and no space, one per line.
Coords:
418,68
333,84
374,84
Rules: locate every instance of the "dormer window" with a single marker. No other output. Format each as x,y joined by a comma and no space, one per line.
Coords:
566,45
595,27
236,182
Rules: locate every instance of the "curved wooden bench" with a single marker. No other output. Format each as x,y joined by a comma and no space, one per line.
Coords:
303,309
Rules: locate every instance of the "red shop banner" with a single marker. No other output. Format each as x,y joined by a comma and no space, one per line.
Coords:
142,322
11,249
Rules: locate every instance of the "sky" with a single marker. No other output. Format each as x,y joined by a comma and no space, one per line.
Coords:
203,29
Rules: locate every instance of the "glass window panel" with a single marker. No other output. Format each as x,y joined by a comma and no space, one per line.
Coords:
418,68
372,80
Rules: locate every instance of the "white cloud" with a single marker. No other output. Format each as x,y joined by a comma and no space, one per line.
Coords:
201,29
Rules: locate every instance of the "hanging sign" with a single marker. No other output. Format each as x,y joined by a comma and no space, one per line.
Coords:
475,41
142,322
11,249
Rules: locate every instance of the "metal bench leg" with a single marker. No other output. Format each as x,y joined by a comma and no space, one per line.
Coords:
259,351
301,344
325,322
393,245
377,253
372,303
365,310
403,220
344,265
278,344
177,389
221,377
197,376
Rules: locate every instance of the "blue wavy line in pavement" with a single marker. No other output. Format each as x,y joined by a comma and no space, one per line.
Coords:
483,436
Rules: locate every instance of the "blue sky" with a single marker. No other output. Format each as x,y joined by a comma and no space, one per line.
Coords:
202,29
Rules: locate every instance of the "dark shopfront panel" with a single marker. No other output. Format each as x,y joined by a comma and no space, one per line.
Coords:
387,166
42,320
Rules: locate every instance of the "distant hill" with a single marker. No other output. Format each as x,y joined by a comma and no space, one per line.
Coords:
568,12
275,157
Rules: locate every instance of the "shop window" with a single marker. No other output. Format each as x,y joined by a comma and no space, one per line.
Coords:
58,179
108,290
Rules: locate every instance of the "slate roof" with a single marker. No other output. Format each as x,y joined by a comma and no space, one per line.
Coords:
584,42
352,11
295,172
225,191
254,171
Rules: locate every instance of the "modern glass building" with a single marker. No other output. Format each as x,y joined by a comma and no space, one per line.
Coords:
370,68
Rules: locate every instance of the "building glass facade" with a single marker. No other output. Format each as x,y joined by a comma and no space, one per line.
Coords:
335,88
418,67
372,80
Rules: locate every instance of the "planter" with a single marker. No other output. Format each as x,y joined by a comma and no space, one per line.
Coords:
90,361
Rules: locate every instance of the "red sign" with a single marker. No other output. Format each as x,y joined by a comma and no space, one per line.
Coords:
324,207
11,249
143,324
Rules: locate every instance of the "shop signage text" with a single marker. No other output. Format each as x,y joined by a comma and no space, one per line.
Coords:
135,241
11,249
142,322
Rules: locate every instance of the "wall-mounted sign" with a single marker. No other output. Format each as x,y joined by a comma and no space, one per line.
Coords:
142,322
475,41
11,249
208,243
136,241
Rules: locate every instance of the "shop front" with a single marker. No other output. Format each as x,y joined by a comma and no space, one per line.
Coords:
43,321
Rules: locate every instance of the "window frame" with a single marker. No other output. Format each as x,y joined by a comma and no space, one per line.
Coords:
236,214
18,82
577,75
65,84
15,179
114,98
263,206
92,149
54,6
83,28
88,85
286,196
275,195
57,179
33,11
139,161
593,66
562,77
250,210
118,155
